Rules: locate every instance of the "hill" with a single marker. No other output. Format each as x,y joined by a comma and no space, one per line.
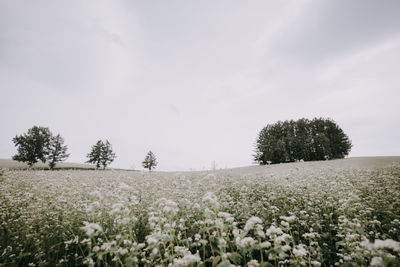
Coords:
322,213
12,164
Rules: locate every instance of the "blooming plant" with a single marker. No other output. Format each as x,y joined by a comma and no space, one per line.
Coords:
302,214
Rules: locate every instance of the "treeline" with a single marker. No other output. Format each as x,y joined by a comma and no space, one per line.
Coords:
286,141
304,139
39,144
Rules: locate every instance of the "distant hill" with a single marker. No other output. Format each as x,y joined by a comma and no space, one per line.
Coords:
12,164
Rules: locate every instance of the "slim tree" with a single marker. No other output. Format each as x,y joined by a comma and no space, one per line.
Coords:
95,154
57,151
101,154
107,154
32,146
150,161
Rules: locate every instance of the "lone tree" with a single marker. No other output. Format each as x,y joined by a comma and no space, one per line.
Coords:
150,161
303,139
101,154
32,146
57,151
107,154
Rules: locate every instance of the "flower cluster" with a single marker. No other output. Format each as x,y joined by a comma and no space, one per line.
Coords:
303,214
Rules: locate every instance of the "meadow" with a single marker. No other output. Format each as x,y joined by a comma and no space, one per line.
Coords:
326,213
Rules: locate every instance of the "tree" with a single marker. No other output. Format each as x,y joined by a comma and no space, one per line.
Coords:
107,154
289,141
32,146
57,151
150,161
101,154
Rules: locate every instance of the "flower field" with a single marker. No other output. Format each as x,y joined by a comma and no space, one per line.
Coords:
328,213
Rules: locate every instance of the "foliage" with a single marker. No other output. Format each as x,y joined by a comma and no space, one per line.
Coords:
150,161
39,144
303,139
32,146
101,154
314,214
57,151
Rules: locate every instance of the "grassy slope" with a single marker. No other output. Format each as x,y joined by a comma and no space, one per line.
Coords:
340,200
12,164
357,162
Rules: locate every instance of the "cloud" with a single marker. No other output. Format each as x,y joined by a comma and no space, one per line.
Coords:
195,82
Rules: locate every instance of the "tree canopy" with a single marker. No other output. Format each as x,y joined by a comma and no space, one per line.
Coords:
303,139
39,144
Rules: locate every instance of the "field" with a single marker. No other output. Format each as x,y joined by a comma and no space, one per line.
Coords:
340,212
12,164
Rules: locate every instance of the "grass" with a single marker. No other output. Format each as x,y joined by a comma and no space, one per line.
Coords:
15,165
341,212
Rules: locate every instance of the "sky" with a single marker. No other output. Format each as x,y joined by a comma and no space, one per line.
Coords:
195,81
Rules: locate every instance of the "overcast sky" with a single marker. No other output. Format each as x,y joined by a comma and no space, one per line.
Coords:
195,81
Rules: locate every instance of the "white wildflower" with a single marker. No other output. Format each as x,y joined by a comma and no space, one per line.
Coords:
251,222
211,199
388,243
265,244
245,242
274,230
187,260
300,251
91,228
288,218
253,263
376,261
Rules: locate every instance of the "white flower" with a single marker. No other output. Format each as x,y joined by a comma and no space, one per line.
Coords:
122,251
107,245
274,230
91,228
265,244
288,218
186,260
245,242
388,243
211,199
251,222
285,224
379,244
376,261
300,251
253,263
282,238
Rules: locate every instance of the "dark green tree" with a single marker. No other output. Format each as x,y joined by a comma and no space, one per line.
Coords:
57,151
101,154
289,141
95,154
150,161
107,154
32,146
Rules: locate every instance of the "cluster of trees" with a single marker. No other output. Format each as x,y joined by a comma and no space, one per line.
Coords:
303,139
286,141
39,144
